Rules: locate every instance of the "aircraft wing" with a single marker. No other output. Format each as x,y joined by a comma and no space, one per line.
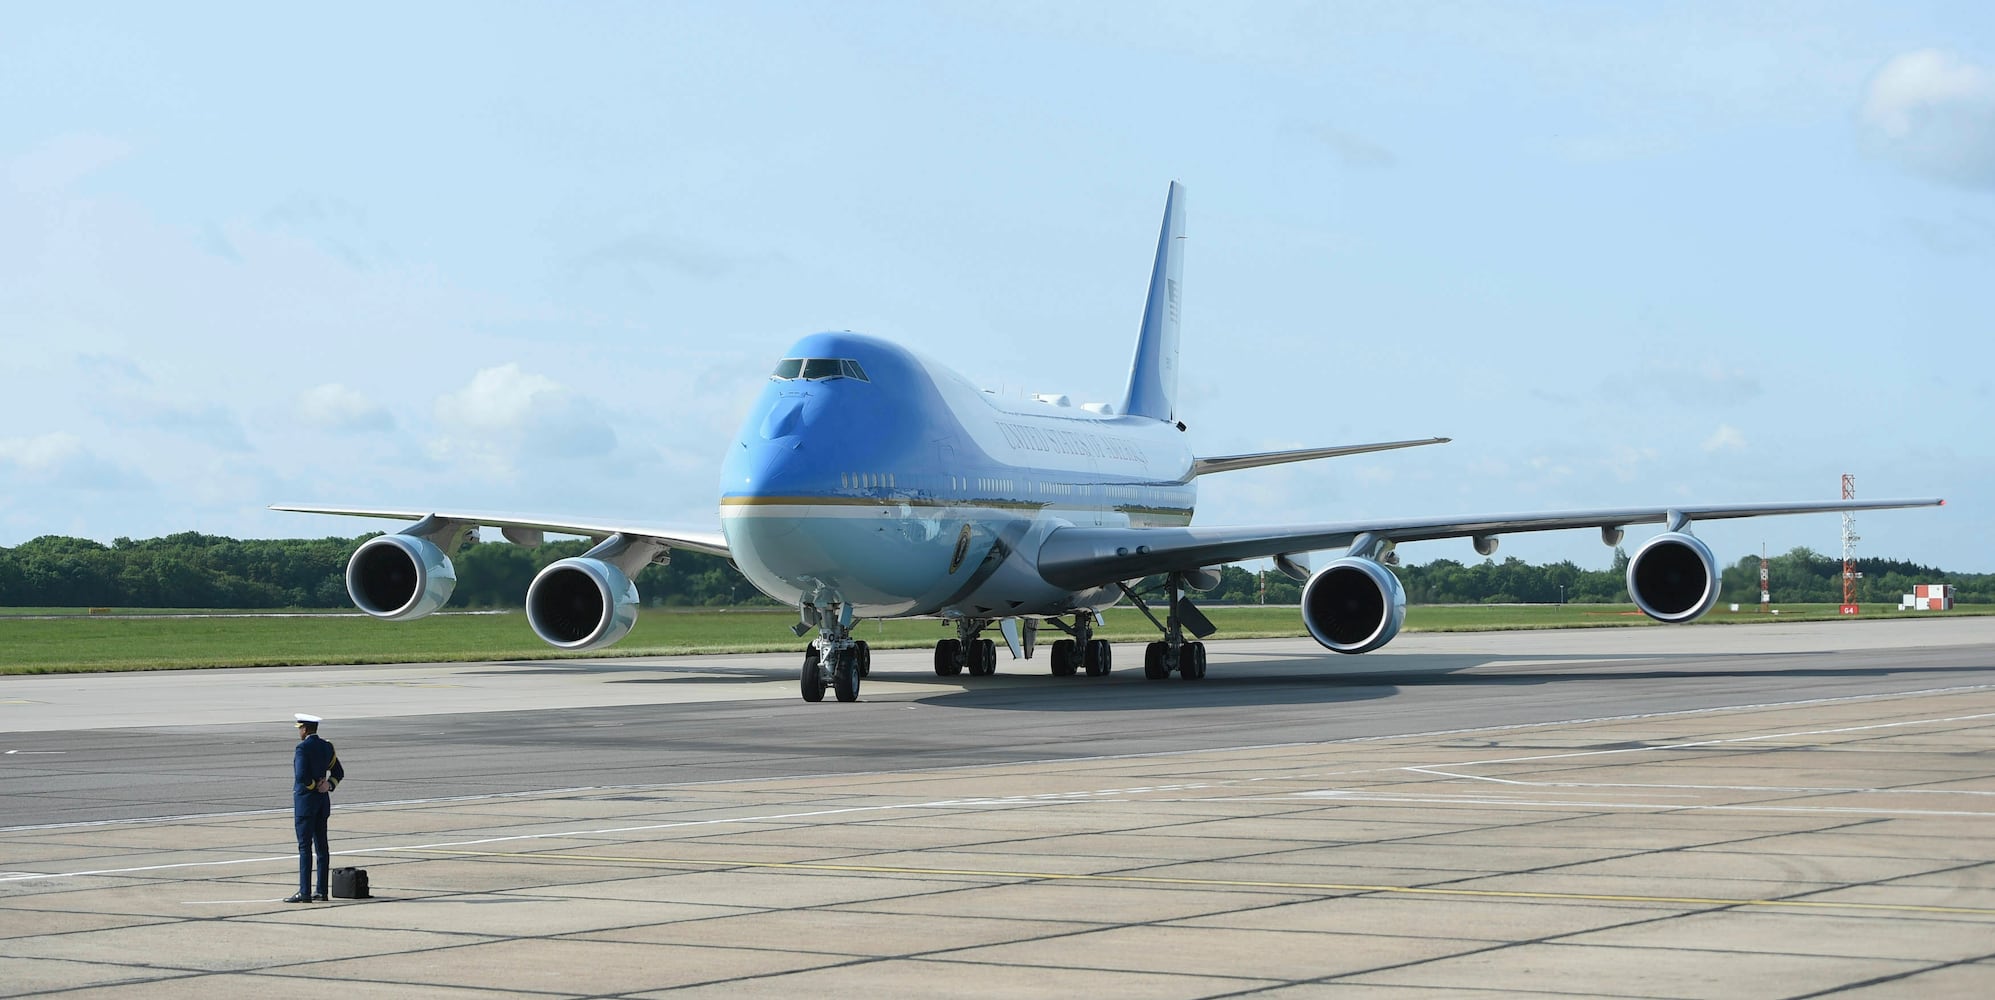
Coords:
707,542
1080,557
1228,463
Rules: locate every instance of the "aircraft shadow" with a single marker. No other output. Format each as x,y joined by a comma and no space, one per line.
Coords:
1125,693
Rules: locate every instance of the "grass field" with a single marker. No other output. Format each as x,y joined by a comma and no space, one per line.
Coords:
69,640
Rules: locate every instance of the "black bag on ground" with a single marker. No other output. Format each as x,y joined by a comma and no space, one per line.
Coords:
349,883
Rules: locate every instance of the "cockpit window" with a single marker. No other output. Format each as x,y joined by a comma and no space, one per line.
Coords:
818,368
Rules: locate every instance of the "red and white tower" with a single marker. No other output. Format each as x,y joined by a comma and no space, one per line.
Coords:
1765,595
1849,548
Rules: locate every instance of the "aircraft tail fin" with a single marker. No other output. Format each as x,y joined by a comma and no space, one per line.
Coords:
1153,375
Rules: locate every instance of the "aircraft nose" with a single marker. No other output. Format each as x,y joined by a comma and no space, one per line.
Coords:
784,419
772,468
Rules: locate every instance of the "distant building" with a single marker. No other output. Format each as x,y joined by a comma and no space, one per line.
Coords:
1928,597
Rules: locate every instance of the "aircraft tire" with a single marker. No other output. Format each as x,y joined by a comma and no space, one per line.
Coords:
987,655
1100,657
946,664
845,677
865,659
1153,662
1063,658
813,676
1191,661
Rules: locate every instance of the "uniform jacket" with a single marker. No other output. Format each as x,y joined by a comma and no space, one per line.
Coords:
314,759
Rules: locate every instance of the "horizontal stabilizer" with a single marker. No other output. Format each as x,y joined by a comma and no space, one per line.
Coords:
1228,463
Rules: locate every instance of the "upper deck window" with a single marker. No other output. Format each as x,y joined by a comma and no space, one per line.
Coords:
818,368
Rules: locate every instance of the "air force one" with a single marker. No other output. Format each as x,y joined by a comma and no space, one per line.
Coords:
871,482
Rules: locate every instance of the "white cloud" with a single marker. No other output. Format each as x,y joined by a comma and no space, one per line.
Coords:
1626,462
336,407
1709,383
213,424
1935,113
1725,438
61,460
506,414
57,163
1353,150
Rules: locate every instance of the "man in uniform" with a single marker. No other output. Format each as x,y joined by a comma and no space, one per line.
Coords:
315,772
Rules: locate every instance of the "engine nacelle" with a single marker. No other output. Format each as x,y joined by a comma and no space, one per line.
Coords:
581,603
1353,605
1673,578
1203,579
399,577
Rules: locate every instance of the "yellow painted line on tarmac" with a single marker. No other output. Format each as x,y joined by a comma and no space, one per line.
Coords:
1156,880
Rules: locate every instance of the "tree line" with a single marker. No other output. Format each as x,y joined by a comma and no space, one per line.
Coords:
193,570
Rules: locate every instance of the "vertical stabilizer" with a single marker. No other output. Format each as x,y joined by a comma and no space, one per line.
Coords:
1153,375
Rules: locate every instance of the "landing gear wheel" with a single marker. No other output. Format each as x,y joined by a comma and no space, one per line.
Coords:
1101,656
1153,662
983,662
865,659
1191,661
845,677
1064,658
947,663
813,679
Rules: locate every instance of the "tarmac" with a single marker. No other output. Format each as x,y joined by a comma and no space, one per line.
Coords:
1756,811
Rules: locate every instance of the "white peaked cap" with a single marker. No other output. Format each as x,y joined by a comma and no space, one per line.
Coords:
313,719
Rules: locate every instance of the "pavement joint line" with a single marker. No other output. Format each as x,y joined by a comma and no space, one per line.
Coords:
958,768
1232,883
1708,788
1719,742
1338,795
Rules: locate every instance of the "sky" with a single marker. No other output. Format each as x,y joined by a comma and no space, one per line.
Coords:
540,257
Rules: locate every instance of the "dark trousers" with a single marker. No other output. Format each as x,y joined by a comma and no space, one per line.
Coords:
309,813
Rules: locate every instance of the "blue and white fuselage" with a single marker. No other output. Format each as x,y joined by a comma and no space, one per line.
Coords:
870,478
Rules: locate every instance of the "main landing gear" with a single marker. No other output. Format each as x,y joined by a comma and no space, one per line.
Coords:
1175,654
834,659
966,651
1083,652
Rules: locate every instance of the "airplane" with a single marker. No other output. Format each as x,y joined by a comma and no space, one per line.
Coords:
870,482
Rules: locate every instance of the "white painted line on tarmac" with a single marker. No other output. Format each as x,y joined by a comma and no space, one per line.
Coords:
514,838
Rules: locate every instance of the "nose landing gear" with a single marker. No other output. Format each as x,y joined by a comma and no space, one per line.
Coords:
835,659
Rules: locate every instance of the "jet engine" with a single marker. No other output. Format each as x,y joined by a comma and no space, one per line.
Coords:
581,603
1353,605
1673,578
399,577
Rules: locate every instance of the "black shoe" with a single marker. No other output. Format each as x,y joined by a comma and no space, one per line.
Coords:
318,897
298,897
